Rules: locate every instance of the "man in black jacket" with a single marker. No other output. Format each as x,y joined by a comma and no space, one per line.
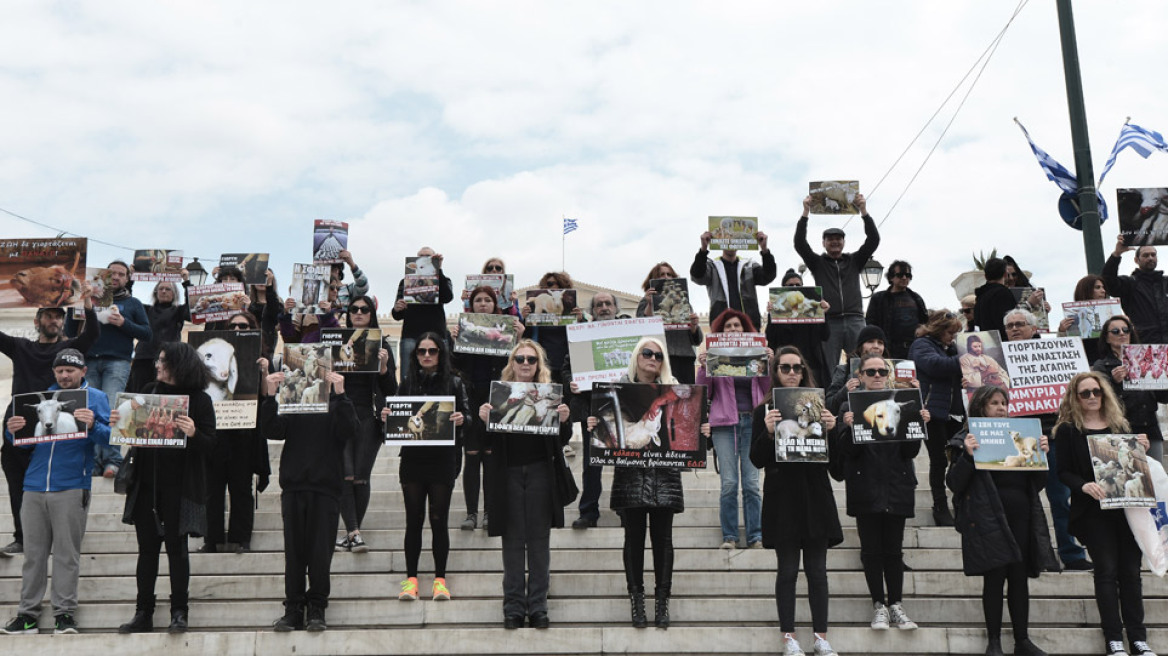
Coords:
898,310
420,318
994,299
1144,294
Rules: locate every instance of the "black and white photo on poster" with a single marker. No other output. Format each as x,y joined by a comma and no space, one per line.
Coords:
253,266
217,301
309,288
148,420
40,273
1147,366
528,408
305,389
157,265
231,358
329,238
886,415
800,436
648,425
354,350
671,302
1008,444
1121,469
48,416
550,307
486,334
742,355
834,196
1143,216
419,420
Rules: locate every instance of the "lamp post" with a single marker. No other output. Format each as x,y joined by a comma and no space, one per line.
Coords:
872,274
197,273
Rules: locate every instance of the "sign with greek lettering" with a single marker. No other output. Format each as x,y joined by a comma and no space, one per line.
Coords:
1039,371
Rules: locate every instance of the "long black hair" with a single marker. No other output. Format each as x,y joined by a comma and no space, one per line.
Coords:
439,381
185,366
372,311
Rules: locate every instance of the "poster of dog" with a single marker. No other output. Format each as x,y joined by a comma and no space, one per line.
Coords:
1008,444
800,436
310,287
1147,366
420,285
528,408
648,425
148,420
419,421
36,273
503,284
1033,299
486,334
1087,317
354,350
736,354
305,389
48,416
1121,469
886,416
796,305
550,307
733,233
216,302
901,373
157,265
230,356
1143,216
329,238
254,266
671,302
834,196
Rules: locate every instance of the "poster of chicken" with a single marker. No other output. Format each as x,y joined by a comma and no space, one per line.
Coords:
550,307
309,287
148,420
486,334
1143,216
329,238
648,425
354,350
800,436
886,416
834,196
216,302
157,265
1121,469
733,233
796,305
1147,366
503,284
421,281
1008,444
419,421
736,354
254,266
36,273
230,356
305,389
528,408
671,302
48,416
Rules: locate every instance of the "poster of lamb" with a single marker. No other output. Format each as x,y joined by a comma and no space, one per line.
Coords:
1087,317
801,435
309,287
305,388
36,273
486,334
834,196
329,238
1143,216
230,356
796,305
421,281
216,302
742,355
157,265
419,420
1121,469
671,302
354,350
647,425
148,420
1147,366
528,408
550,307
886,416
733,233
1008,444
48,416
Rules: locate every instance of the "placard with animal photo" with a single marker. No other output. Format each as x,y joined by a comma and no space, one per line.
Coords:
254,266
486,334
982,360
421,281
503,284
1036,305
305,389
901,373
216,302
550,307
601,350
148,420
1039,372
796,305
419,421
48,416
329,238
733,233
1121,469
671,302
230,356
801,435
310,286
157,265
886,416
528,408
1087,317
1147,366
834,196
648,425
1143,216
1008,444
36,273
736,354
354,350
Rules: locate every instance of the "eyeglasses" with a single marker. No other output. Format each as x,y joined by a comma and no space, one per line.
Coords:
1120,331
1016,324
872,373
360,309
241,325
430,350
525,359
902,274
494,267
966,310
788,368
650,353
1096,392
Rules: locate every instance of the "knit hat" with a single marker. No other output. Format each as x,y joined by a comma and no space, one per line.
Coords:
791,273
869,333
69,358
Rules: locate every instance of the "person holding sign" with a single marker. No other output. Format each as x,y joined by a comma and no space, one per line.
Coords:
1144,294
939,372
799,512
807,337
1004,534
730,281
418,318
1089,407
681,343
1139,405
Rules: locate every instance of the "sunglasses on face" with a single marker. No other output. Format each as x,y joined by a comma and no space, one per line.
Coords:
495,267
872,373
1013,325
526,359
902,274
1096,392
1120,331
650,353
430,350
966,310
359,309
243,325
788,368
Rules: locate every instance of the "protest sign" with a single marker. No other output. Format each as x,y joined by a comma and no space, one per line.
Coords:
550,307
801,435
503,284
1147,366
230,357
886,416
419,421
602,350
305,389
1143,216
329,238
528,408
309,287
486,334
48,416
736,354
1007,444
253,266
796,305
148,420
671,302
834,196
647,425
901,373
1121,469
733,233
216,302
42,272
1039,371
157,265
1087,317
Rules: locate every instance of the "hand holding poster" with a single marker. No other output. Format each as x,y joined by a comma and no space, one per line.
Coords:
834,196
305,389
1008,444
48,416
216,302
733,233
148,420
230,356
1143,216
796,305
254,266
736,354
602,350
886,416
1087,317
1034,300
329,238
1039,372
42,272
353,350
528,408
1147,366
157,265
643,425
670,299
485,334
420,285
503,284
419,420
550,307
800,436
309,287
1121,469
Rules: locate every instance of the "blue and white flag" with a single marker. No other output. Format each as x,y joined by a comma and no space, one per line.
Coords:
1057,173
569,225
1138,139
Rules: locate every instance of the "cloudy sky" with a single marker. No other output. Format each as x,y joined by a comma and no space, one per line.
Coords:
473,127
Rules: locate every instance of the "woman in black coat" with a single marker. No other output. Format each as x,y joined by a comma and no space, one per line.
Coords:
166,498
1139,405
1004,534
799,513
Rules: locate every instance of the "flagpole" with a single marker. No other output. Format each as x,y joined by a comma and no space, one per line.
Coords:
563,240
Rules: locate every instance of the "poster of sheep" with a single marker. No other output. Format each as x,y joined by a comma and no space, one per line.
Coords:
528,408
886,416
419,420
1143,216
254,266
230,356
736,354
354,350
801,435
157,265
503,284
643,425
1147,366
601,351
901,373
216,302
733,233
420,284
329,238
148,420
309,287
1033,299
48,416
1087,317
486,334
796,305
1121,469
36,273
671,302
1008,444
305,389
550,307
834,196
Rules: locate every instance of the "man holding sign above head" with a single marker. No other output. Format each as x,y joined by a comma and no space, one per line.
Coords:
730,281
1144,293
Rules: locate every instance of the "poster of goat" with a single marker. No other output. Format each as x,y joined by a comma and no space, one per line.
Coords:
36,273
647,425
1121,469
671,302
1008,444
48,416
354,350
419,420
1143,216
420,285
801,435
148,420
329,238
834,196
528,408
886,416
305,389
550,307
230,356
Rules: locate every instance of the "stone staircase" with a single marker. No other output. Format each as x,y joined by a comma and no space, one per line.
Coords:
723,600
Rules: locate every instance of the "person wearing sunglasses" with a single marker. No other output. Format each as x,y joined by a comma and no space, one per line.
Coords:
869,342
1139,405
967,303
1141,293
898,310
681,343
939,374
495,266
419,318
807,337
1089,407
166,316
1089,288
799,513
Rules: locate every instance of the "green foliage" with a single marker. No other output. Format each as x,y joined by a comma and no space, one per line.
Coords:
979,262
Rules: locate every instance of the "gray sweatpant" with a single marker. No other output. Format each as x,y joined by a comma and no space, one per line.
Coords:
56,521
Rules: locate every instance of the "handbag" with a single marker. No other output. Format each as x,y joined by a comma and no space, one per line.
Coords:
565,482
128,473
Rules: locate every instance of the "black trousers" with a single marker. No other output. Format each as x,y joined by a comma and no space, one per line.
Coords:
155,510
415,495
234,475
310,519
590,494
881,545
815,569
476,476
1117,558
14,462
940,430
660,524
360,455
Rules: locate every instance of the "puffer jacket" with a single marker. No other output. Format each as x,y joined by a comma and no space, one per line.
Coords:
649,487
939,371
880,477
1139,405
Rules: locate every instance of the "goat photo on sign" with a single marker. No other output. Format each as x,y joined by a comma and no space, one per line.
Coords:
354,350
304,390
886,416
231,358
48,416
1121,469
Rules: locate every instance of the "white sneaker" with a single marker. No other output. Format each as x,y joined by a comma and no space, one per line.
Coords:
729,544
569,452
880,616
901,619
823,648
1115,648
791,646
1141,648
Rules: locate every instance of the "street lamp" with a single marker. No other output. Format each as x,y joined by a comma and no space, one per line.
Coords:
197,273
872,273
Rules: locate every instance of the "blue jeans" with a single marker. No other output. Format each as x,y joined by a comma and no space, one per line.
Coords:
1059,496
733,446
109,376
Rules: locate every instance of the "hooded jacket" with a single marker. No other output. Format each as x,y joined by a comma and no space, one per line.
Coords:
67,464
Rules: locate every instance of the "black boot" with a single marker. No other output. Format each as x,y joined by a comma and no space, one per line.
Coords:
994,647
1023,647
178,620
143,620
941,514
661,606
637,599
316,618
293,619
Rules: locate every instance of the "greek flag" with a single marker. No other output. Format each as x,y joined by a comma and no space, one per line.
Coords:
569,225
1057,173
1138,139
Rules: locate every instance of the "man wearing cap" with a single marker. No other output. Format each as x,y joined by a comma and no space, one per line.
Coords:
56,503
32,371
838,273
730,281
